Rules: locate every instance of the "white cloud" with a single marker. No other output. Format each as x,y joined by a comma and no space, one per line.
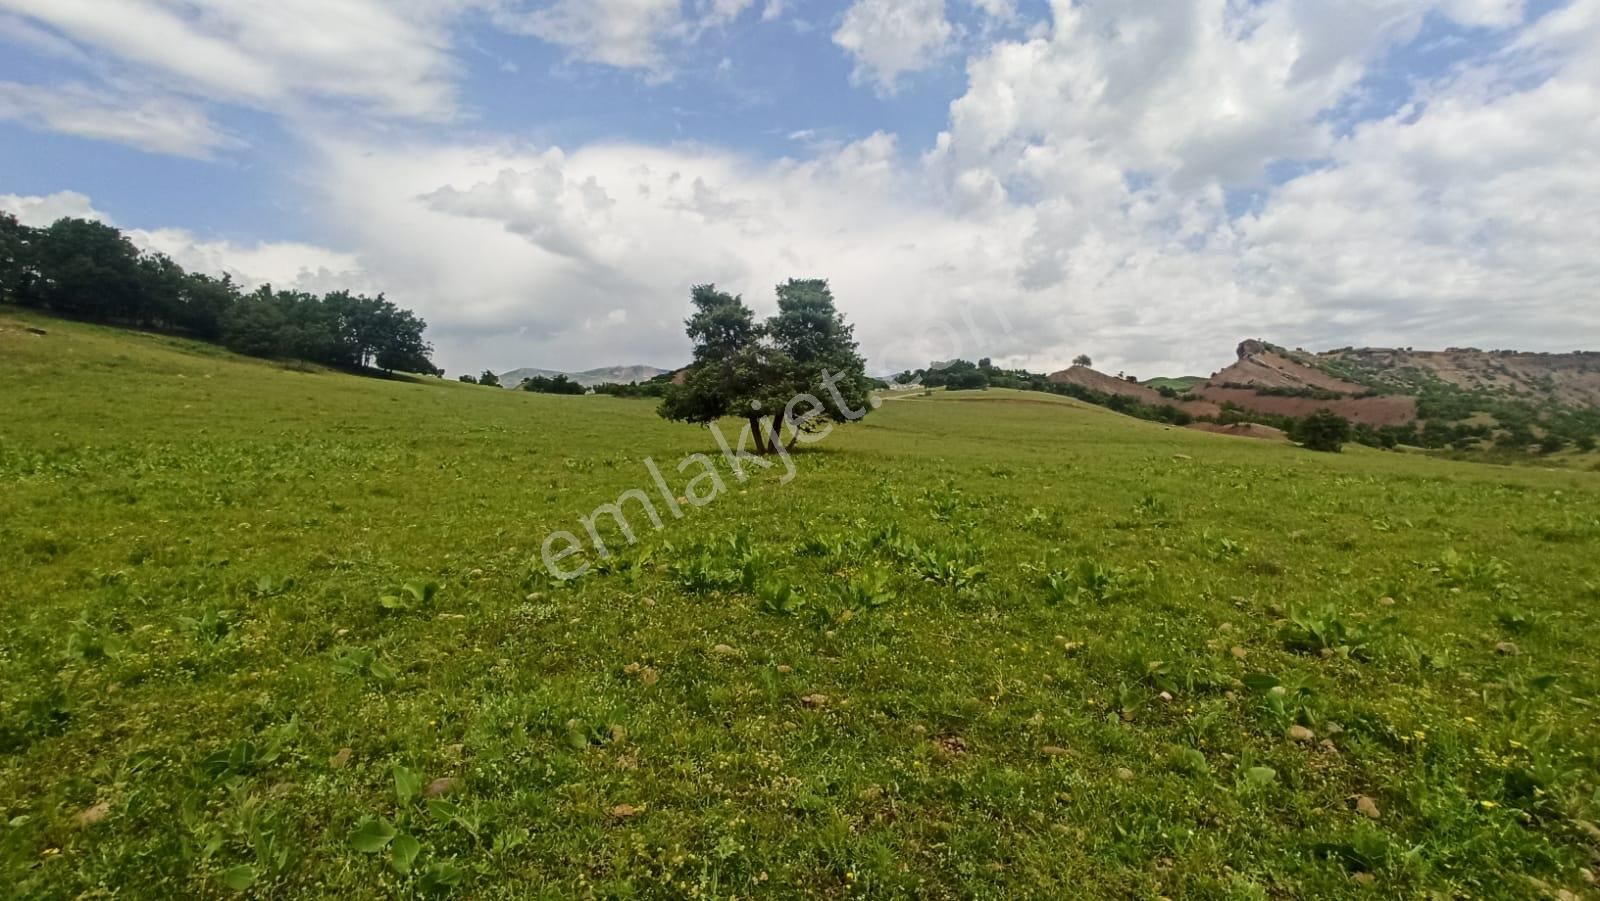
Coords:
38,212
1003,10
622,33
627,34
157,124
888,38
391,58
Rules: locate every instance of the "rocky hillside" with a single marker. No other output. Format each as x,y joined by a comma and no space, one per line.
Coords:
1570,380
1268,379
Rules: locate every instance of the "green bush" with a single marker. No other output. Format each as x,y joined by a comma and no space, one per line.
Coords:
1324,430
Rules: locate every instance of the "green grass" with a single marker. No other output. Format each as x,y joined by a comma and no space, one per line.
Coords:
1179,384
983,644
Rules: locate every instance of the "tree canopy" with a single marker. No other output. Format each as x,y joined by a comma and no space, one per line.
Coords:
804,355
89,270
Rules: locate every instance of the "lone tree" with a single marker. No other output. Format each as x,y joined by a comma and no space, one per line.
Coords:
799,368
489,378
1082,360
1324,430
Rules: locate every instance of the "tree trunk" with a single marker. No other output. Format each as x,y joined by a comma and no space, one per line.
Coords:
776,440
758,433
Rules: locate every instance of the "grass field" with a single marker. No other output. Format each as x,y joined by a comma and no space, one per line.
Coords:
985,645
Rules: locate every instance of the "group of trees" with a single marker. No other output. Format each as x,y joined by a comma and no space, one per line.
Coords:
89,270
758,370
654,387
556,384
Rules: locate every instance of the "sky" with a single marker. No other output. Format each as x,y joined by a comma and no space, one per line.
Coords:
1145,181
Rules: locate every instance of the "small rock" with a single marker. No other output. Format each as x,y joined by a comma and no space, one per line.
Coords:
1277,691
649,602
953,744
1300,733
445,785
648,676
341,759
1182,457
1325,653
1239,653
35,330
1327,745
1055,751
624,811
633,668
1386,601
725,650
618,733
1332,728
1507,648
92,815
1225,627
1125,774
815,700
785,668
1367,807
1364,878
1165,696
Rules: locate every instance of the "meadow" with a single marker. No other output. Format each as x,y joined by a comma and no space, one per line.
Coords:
274,632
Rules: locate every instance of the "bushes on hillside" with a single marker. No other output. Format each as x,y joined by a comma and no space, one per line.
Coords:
558,384
1323,430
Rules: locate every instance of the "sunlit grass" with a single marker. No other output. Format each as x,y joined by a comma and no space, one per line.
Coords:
288,633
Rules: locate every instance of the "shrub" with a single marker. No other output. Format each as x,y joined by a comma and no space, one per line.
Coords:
1324,430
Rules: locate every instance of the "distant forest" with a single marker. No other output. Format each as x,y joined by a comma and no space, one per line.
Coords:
88,270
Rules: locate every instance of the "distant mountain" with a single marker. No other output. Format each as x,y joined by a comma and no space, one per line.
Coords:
621,375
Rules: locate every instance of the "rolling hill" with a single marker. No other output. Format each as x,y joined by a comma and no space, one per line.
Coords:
588,378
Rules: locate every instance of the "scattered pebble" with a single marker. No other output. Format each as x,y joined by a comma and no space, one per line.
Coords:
1367,807
445,785
1239,653
1125,774
725,650
624,811
1055,751
1507,648
1386,601
785,668
339,760
92,815
1298,732
815,700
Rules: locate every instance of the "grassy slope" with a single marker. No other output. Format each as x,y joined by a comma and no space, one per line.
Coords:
142,481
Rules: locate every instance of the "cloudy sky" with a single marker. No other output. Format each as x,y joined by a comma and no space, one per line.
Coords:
1147,181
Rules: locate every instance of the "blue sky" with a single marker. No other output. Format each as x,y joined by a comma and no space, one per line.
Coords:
1149,182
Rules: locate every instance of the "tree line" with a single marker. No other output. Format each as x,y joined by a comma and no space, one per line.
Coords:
88,270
